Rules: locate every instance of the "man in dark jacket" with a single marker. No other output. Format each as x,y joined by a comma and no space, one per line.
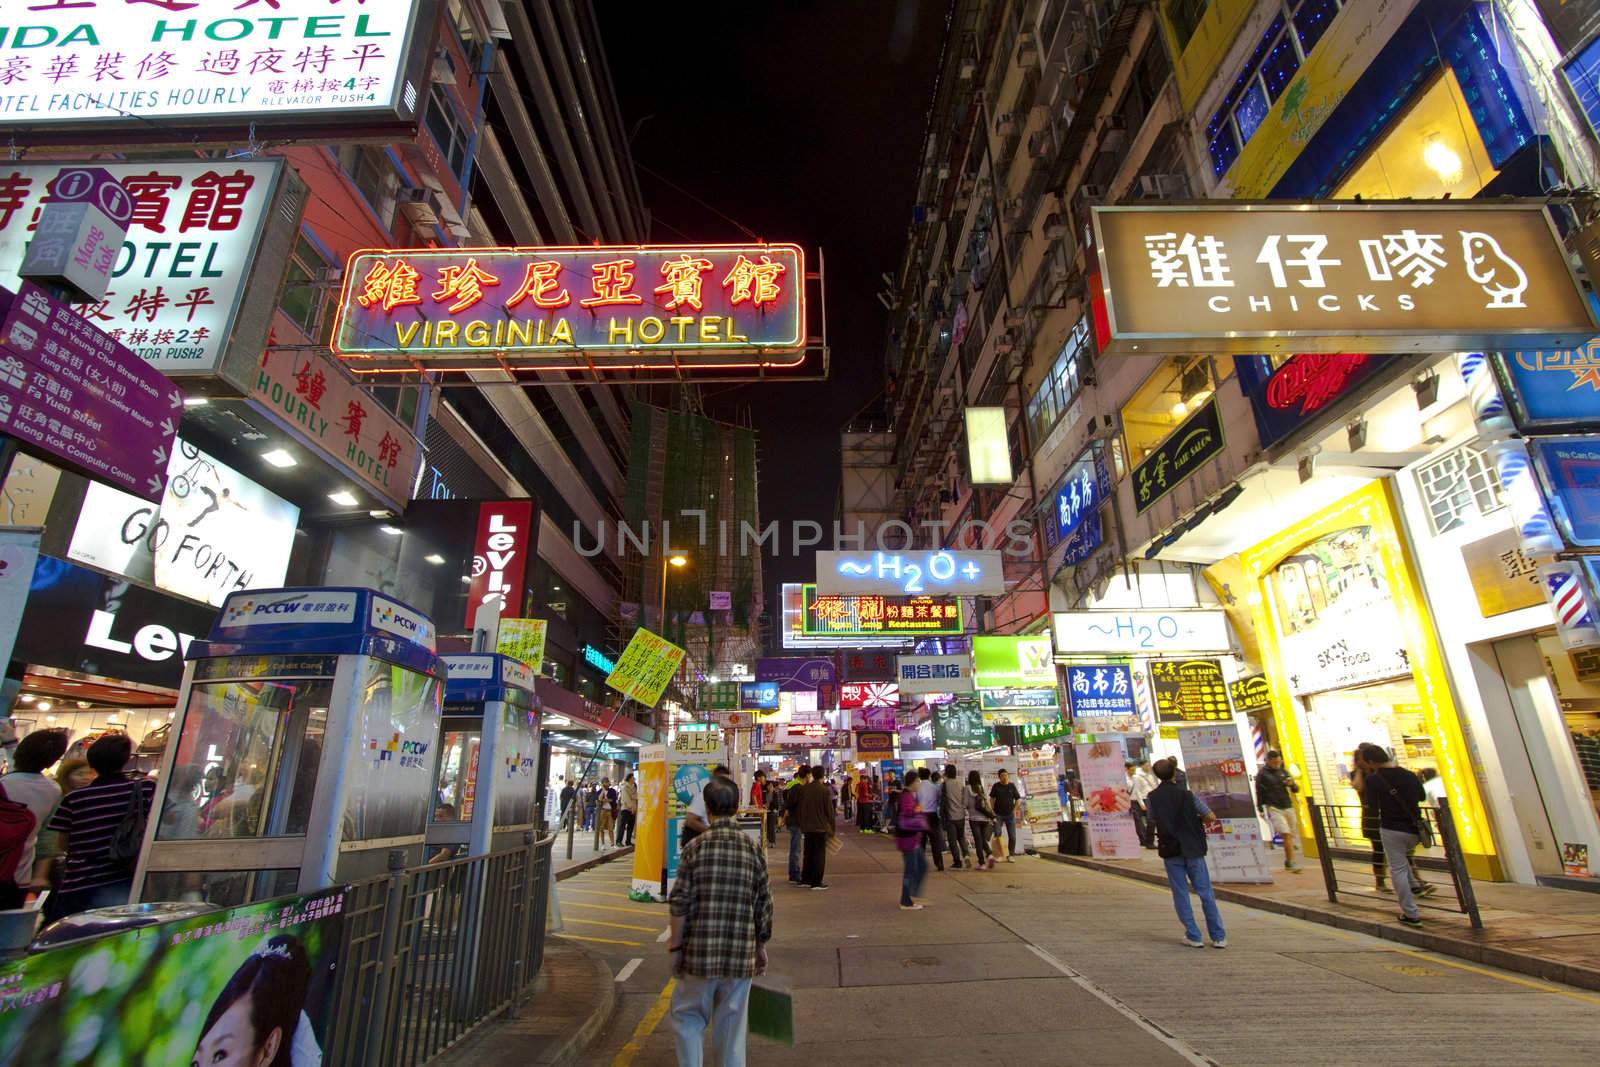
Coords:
1396,794
791,819
1180,820
814,814
1275,789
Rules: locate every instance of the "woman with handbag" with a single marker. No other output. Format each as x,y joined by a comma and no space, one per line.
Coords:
1397,794
909,824
980,813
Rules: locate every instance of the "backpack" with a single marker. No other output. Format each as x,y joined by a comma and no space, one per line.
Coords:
127,838
17,824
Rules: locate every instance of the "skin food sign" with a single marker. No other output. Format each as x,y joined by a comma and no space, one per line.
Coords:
618,307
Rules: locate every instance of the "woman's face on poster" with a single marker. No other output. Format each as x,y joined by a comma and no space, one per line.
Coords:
231,1041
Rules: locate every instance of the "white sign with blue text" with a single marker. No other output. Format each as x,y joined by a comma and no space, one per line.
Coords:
934,674
1141,632
910,573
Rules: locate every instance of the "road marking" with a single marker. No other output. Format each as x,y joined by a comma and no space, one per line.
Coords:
664,934
608,907
1530,983
1168,1039
614,926
628,969
646,1027
600,893
601,940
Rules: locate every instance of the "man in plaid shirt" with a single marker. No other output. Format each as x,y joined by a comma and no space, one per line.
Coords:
721,922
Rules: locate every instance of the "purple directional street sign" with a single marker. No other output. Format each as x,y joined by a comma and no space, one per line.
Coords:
72,394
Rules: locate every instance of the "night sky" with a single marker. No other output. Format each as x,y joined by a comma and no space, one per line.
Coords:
800,120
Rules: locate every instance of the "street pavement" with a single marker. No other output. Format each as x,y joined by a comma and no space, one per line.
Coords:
1038,963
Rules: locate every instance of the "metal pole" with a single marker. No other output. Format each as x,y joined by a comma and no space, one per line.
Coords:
1458,864
378,1033
1324,851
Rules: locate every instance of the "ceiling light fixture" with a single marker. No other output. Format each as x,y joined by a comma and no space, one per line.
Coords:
392,531
195,401
344,498
279,458
434,558
1442,160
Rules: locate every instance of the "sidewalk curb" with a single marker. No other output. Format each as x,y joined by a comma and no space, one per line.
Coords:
591,863
1476,952
572,1050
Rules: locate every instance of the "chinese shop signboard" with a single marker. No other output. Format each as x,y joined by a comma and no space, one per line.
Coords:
869,695
1190,690
1098,690
70,393
1252,695
934,674
874,616
910,573
1143,632
1015,662
646,667
1331,277
621,307
1196,441
1073,516
179,278
796,674
138,64
79,234
311,397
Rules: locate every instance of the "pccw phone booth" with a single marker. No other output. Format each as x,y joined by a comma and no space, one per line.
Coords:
304,750
489,756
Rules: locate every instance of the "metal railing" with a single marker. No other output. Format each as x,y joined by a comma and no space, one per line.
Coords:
431,953
1351,852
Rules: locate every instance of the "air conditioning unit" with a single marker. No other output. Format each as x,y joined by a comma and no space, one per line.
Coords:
1012,209
1016,317
1055,227
1005,124
968,69
1114,135
1089,194
944,171
1005,343
417,205
1039,143
1163,186
443,69
1027,48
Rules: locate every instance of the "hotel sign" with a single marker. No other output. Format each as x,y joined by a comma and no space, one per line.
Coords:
1336,277
550,308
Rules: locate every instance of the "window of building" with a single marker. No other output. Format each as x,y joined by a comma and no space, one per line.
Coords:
371,172
1184,17
1168,397
1061,384
448,130
1458,487
1290,38
1434,150
305,291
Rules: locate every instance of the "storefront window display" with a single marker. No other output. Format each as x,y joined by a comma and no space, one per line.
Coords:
1177,389
1350,654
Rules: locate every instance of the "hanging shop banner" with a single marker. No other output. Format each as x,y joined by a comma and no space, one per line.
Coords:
646,667
618,306
720,600
180,277
1336,276
79,235
1013,662
959,725
1190,690
874,744
874,616
1100,689
215,531
1038,703
70,393
1571,24
1108,806
1213,758
500,556
162,993
910,573
867,666
1503,578
1136,633
934,674
1253,695
1552,391
106,65
869,695
1196,441
313,399
758,696
19,552
717,696
523,640
1076,502
873,718
1569,467
1301,388
650,830
796,674
691,755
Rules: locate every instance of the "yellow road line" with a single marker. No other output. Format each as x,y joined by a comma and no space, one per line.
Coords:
607,907
600,940
617,926
600,893
646,1027
1513,979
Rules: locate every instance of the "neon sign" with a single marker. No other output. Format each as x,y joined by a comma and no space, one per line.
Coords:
910,573
599,660
1311,380
616,306
850,616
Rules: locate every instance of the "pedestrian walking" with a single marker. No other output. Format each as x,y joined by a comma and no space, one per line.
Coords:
847,796
1140,784
815,811
569,793
606,804
1397,795
1005,798
888,810
908,823
628,821
27,799
721,908
953,811
928,802
865,808
791,819
99,870
1275,790
773,795
980,813
591,805
1181,819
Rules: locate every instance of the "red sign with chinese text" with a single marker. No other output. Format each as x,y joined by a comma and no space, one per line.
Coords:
500,556
869,695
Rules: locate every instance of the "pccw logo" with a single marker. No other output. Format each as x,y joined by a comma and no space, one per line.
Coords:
396,750
517,763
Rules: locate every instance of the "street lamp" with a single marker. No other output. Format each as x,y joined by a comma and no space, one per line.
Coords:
676,559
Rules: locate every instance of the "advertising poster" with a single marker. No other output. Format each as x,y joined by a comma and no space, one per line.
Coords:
214,532
1107,805
650,835
690,757
1041,803
1100,690
1213,758
874,744
1017,662
392,773
646,667
157,995
1190,690
523,640
959,725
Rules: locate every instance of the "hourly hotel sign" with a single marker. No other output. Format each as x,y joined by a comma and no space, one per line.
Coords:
133,63
1335,277
543,308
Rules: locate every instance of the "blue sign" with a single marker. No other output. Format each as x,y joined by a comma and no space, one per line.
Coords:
1100,689
758,696
598,660
322,620
1569,467
1076,501
1548,390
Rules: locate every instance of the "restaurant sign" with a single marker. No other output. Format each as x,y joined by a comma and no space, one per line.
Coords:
1332,277
1301,388
1185,450
621,307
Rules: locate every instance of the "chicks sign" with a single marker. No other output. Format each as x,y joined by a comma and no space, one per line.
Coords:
577,308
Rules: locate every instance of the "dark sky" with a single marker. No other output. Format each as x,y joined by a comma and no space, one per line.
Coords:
802,121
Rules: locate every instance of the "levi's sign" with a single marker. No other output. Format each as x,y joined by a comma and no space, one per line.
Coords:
1335,277
546,308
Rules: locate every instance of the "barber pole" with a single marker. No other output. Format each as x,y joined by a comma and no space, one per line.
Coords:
1258,741
1569,599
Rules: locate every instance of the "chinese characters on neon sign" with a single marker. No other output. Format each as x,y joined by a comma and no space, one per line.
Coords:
709,305
845,616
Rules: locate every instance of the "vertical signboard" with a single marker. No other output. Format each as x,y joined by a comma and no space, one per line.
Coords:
500,556
1213,758
1108,805
80,233
690,756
